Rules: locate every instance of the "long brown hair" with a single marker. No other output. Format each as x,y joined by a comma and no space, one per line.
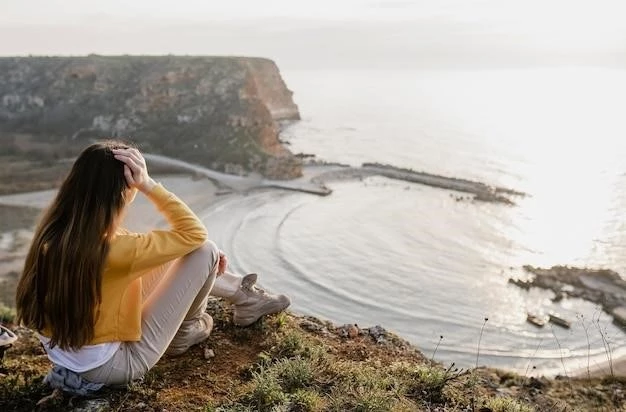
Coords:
60,288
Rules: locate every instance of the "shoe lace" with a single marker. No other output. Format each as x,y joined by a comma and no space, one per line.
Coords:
254,289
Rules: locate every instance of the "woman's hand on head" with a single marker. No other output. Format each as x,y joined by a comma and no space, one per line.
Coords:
135,169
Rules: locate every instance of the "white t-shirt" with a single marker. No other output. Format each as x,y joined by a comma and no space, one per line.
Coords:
86,358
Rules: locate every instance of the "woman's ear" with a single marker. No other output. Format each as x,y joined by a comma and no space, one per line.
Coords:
129,195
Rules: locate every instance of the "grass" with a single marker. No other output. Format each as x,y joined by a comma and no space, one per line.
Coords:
299,372
480,338
507,405
558,343
581,317
277,366
7,315
20,387
432,358
607,345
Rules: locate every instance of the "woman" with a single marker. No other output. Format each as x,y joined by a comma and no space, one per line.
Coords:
108,303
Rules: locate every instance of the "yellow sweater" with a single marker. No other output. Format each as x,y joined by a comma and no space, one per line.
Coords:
133,254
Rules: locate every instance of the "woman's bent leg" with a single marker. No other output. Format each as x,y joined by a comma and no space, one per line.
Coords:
226,285
151,280
180,296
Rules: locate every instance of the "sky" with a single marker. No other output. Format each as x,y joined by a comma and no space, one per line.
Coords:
365,33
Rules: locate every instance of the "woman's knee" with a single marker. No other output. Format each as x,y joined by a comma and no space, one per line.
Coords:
210,252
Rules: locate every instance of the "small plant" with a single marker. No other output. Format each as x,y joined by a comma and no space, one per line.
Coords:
293,344
432,358
290,345
480,338
281,320
361,400
237,407
7,315
581,317
507,405
306,401
294,373
532,357
428,382
266,391
607,346
560,350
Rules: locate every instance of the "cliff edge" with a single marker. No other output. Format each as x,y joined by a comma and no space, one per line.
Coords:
220,112
294,363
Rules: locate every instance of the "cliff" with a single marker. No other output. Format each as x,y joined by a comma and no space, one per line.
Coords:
219,112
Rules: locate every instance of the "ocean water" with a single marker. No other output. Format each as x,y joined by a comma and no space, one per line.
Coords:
414,259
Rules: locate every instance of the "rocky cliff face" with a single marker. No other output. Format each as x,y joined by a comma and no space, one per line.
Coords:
220,112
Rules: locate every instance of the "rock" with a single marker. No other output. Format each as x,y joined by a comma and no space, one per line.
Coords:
601,286
310,326
343,331
377,332
348,331
619,314
208,353
535,383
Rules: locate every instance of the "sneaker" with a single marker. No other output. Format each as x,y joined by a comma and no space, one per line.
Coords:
191,333
252,302
7,338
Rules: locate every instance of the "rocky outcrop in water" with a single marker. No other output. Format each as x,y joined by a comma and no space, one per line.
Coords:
481,191
602,286
219,112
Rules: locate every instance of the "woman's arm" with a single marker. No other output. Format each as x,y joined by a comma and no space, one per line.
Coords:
154,248
151,249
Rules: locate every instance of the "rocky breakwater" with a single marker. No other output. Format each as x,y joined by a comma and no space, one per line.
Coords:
480,191
602,286
219,112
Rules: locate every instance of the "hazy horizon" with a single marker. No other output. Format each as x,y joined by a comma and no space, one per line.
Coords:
351,33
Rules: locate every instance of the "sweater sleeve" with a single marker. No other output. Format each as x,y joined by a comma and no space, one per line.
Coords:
157,247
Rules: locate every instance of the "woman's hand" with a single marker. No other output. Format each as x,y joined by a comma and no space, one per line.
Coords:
221,266
135,169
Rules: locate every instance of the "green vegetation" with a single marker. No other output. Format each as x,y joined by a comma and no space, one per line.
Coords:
277,365
301,373
7,315
507,405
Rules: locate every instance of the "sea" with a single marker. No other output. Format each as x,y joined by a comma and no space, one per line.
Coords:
417,260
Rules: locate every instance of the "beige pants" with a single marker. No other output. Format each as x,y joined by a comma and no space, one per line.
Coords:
172,293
